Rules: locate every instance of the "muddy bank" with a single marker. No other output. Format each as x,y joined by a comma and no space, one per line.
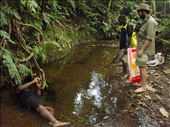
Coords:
148,106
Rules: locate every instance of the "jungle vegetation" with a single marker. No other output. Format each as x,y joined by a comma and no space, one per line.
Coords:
32,31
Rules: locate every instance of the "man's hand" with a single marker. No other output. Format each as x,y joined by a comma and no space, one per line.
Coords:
140,52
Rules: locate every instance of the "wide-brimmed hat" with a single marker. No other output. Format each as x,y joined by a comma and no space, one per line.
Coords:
143,7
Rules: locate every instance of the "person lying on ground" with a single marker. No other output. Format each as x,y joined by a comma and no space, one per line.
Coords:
30,101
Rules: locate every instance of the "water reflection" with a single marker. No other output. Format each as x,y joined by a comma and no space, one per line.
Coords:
78,102
97,96
94,92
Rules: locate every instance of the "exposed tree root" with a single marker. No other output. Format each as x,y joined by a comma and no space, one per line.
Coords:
22,43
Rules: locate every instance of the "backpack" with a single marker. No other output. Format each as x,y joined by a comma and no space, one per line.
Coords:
133,41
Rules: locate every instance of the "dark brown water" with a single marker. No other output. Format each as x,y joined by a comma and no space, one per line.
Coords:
83,92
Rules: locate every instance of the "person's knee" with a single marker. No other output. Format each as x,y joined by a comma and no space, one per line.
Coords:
40,108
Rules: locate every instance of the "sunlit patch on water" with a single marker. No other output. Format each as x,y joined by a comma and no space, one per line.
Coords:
98,97
78,103
93,93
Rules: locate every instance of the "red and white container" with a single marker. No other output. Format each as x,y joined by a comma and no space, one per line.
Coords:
133,67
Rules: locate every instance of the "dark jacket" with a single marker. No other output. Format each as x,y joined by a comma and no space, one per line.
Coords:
125,35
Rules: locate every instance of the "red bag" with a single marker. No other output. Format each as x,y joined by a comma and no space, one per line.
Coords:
133,67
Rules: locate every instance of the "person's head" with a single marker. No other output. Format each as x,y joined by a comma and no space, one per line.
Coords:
143,10
122,20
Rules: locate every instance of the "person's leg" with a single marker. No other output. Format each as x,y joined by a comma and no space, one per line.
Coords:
47,115
50,109
124,67
143,82
124,61
142,63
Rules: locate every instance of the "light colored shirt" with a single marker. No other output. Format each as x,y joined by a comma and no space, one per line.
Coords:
147,32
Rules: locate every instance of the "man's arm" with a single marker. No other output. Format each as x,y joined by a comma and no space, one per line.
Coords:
26,85
151,30
145,44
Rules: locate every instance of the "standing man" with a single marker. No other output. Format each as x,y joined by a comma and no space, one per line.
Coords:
146,42
126,31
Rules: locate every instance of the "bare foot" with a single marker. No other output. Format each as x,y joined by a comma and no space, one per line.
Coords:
140,90
59,124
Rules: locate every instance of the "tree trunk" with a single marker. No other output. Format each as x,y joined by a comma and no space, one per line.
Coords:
153,7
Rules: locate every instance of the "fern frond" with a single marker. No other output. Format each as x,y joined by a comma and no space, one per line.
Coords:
53,44
11,12
31,5
72,3
3,19
6,35
9,63
53,4
24,70
47,17
38,24
39,53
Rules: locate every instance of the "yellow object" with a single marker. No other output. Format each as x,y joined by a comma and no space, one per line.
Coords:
125,26
134,65
134,40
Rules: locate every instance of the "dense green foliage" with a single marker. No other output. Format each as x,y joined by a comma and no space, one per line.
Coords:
36,31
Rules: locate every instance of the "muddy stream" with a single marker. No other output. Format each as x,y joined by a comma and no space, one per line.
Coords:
82,90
